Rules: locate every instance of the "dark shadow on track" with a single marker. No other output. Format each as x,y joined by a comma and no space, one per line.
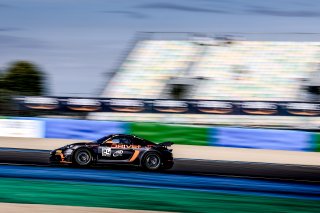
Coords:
188,166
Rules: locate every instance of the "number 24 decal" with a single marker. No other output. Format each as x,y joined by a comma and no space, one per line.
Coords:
106,151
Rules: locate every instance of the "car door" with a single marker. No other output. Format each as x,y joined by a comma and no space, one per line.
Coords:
116,149
104,150
122,149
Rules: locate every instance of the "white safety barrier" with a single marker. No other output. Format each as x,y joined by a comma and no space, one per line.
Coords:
22,128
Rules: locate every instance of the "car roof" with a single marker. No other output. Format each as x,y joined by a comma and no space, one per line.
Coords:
132,136
113,135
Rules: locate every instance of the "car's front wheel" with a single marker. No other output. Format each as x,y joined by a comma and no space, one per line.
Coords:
151,161
82,157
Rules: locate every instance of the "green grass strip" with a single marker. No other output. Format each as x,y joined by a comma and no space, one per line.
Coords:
189,135
95,195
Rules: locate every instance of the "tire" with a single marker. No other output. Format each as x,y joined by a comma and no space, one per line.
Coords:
152,161
82,157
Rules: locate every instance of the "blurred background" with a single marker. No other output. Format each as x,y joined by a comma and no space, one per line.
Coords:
235,84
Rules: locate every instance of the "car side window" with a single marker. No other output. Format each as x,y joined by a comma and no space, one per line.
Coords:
116,140
124,140
121,140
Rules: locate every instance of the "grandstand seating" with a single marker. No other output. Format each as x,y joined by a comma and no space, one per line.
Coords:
242,70
148,67
251,70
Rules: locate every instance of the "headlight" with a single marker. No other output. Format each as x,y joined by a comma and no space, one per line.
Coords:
69,146
56,152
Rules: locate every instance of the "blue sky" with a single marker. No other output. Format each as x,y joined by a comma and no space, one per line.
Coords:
78,42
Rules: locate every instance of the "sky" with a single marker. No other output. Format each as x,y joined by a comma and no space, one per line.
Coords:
78,43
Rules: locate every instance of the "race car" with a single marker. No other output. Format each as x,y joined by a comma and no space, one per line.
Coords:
116,149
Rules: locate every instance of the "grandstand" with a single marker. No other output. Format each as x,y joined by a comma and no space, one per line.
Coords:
251,70
149,66
233,70
223,68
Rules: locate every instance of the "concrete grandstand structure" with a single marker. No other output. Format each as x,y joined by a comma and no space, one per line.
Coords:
231,70
217,69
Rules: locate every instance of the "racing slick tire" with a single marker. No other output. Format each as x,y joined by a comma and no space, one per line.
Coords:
151,161
82,157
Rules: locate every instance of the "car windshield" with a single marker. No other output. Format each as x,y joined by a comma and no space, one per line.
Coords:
101,140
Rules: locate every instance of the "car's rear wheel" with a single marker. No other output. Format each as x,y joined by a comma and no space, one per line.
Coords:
82,157
151,161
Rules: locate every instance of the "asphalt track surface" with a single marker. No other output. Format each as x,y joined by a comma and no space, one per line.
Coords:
165,181
280,172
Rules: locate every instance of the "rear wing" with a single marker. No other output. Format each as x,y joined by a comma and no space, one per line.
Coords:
165,144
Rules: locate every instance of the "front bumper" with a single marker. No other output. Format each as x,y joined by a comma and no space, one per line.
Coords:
57,157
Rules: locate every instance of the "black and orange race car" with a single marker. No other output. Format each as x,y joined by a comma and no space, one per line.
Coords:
116,149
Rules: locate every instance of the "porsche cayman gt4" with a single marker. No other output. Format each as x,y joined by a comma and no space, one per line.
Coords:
116,149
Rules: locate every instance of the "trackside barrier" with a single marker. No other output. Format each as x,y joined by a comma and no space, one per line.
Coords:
316,142
262,139
22,128
181,134
80,129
